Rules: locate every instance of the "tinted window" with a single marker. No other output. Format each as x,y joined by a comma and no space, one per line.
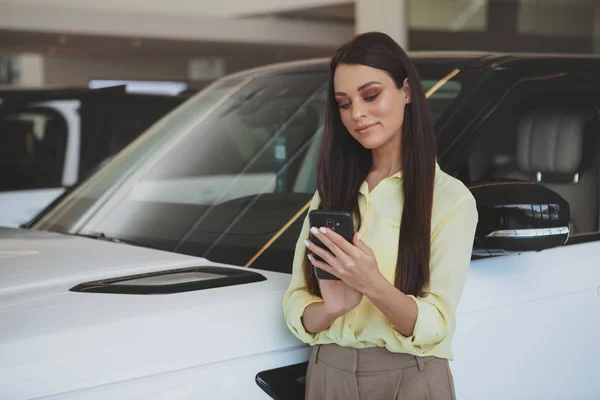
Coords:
107,132
225,188
32,149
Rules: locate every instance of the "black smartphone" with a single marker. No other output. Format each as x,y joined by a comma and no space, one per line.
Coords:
339,221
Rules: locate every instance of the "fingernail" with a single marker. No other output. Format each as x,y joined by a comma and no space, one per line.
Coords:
314,230
323,230
358,236
310,257
307,243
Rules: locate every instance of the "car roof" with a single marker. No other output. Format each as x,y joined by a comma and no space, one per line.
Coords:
454,59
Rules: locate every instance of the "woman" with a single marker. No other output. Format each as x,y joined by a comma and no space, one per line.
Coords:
383,330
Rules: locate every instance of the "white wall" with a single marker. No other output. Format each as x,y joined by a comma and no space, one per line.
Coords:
184,7
78,72
31,69
388,16
66,71
50,16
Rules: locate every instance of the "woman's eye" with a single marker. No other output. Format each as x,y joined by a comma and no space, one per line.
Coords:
345,106
372,97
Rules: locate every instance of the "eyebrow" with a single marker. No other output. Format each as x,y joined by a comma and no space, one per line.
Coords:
366,85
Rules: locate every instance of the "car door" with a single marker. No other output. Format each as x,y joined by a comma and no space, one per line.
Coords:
45,136
526,324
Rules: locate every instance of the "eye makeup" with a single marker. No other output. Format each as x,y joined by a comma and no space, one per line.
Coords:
368,96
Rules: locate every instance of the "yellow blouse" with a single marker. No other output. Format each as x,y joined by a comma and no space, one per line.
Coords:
453,223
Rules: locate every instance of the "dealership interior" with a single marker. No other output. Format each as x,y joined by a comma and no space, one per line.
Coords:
73,42
165,165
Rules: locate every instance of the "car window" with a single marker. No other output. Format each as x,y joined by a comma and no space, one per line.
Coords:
550,136
224,189
32,149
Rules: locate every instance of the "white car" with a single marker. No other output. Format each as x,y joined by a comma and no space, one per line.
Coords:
162,275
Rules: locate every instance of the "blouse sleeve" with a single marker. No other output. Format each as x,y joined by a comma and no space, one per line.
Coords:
451,248
297,296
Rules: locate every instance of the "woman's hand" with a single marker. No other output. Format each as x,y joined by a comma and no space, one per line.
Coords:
339,298
354,263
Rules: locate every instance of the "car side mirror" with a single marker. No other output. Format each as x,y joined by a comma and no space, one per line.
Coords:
519,216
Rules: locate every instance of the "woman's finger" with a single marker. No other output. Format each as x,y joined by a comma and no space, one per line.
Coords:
318,250
324,266
328,241
358,242
323,253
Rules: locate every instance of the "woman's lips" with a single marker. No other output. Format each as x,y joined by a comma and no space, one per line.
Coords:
365,128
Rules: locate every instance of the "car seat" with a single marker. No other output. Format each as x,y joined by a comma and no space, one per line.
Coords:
558,147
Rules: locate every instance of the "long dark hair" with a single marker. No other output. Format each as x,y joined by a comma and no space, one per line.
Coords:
343,163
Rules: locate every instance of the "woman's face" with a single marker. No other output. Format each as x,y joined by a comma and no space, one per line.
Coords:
371,106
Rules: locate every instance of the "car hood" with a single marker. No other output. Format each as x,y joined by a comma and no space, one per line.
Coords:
51,332
37,261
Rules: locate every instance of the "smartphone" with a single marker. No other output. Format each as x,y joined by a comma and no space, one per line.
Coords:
339,221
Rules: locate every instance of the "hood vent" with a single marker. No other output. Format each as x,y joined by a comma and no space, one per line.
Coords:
172,281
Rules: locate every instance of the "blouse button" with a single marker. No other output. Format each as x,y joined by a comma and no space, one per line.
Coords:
349,327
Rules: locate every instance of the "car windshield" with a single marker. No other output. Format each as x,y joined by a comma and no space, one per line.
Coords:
227,175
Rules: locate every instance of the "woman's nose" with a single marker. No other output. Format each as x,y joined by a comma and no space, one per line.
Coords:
357,112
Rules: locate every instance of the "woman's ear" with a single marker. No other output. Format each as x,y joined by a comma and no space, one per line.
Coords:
407,91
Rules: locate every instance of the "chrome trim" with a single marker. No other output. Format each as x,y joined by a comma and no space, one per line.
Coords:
529,233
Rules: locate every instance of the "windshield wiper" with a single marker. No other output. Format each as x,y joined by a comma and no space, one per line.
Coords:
102,236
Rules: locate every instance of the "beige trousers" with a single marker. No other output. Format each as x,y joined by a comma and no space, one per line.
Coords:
336,372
